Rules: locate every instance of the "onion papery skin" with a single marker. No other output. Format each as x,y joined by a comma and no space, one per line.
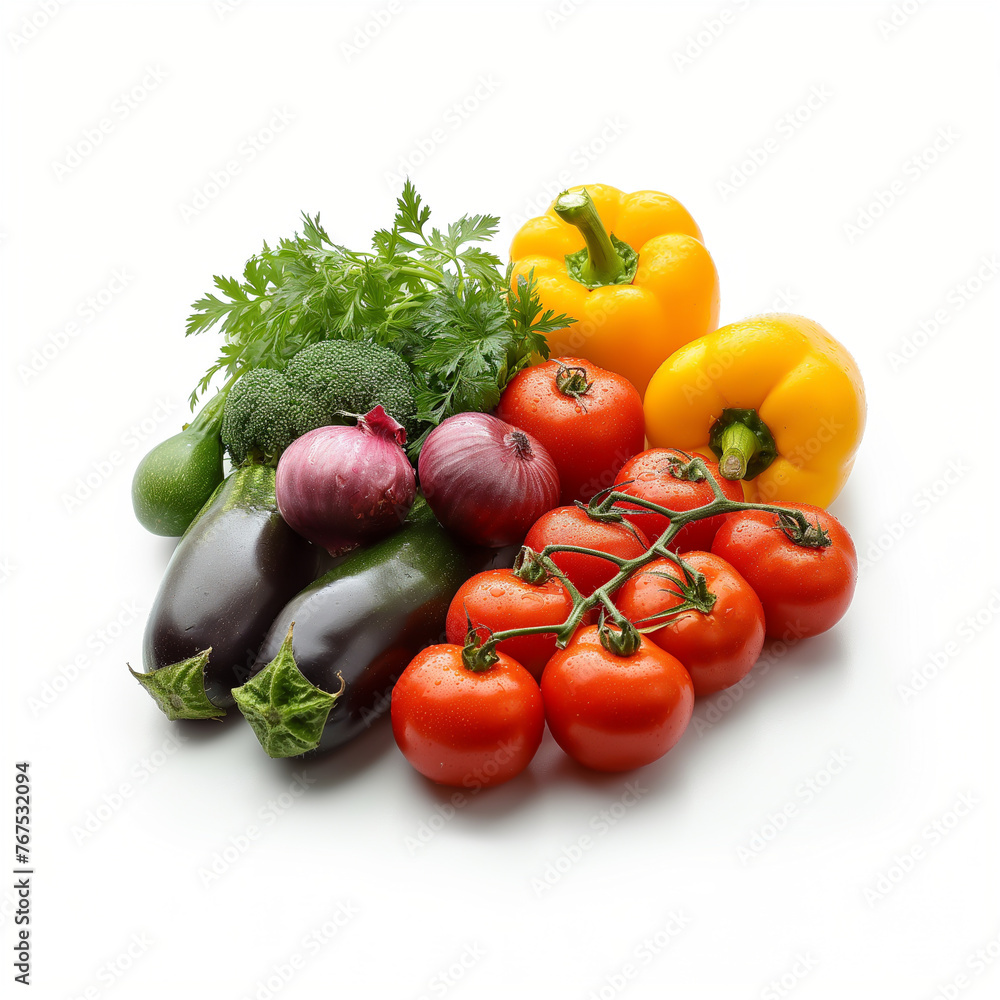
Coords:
343,486
485,479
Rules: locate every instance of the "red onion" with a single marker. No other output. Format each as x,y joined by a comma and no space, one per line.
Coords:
486,480
341,486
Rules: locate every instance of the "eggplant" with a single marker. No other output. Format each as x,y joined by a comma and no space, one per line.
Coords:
236,566
327,667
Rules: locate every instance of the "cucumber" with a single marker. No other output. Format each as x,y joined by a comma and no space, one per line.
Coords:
174,481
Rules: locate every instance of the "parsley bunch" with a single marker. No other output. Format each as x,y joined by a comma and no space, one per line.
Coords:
434,296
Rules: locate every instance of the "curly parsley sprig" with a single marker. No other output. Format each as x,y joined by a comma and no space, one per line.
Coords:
435,296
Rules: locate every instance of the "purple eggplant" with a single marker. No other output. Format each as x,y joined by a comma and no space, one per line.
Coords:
327,667
234,569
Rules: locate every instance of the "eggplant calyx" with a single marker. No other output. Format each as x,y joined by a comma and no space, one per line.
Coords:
285,710
179,689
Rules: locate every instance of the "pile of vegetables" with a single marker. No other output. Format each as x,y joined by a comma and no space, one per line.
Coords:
601,536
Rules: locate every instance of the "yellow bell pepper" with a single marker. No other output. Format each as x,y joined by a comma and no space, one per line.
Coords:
775,398
636,295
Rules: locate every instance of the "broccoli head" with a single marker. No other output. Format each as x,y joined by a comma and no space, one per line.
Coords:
257,422
267,410
335,377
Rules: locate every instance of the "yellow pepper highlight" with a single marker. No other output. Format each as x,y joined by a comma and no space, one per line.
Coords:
626,323
790,373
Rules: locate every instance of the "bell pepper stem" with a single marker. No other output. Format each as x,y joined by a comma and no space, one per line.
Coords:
739,445
743,442
604,264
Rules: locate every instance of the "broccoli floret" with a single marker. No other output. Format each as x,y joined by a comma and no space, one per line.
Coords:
335,377
267,410
258,419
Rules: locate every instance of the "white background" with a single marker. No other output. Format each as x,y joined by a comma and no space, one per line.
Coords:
129,809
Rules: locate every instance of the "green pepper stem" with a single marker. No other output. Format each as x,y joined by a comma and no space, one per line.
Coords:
739,445
743,442
604,264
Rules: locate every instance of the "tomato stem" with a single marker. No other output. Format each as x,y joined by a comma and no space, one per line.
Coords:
571,380
624,640
697,595
581,551
813,536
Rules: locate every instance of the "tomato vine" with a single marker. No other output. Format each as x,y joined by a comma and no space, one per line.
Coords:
535,567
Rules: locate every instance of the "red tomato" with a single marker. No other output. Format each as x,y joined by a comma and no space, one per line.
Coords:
804,590
590,434
573,526
613,713
472,729
499,600
656,475
717,648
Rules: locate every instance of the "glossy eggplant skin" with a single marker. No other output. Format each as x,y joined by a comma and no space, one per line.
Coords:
233,570
366,619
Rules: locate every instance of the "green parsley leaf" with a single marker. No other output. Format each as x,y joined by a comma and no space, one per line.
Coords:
436,296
